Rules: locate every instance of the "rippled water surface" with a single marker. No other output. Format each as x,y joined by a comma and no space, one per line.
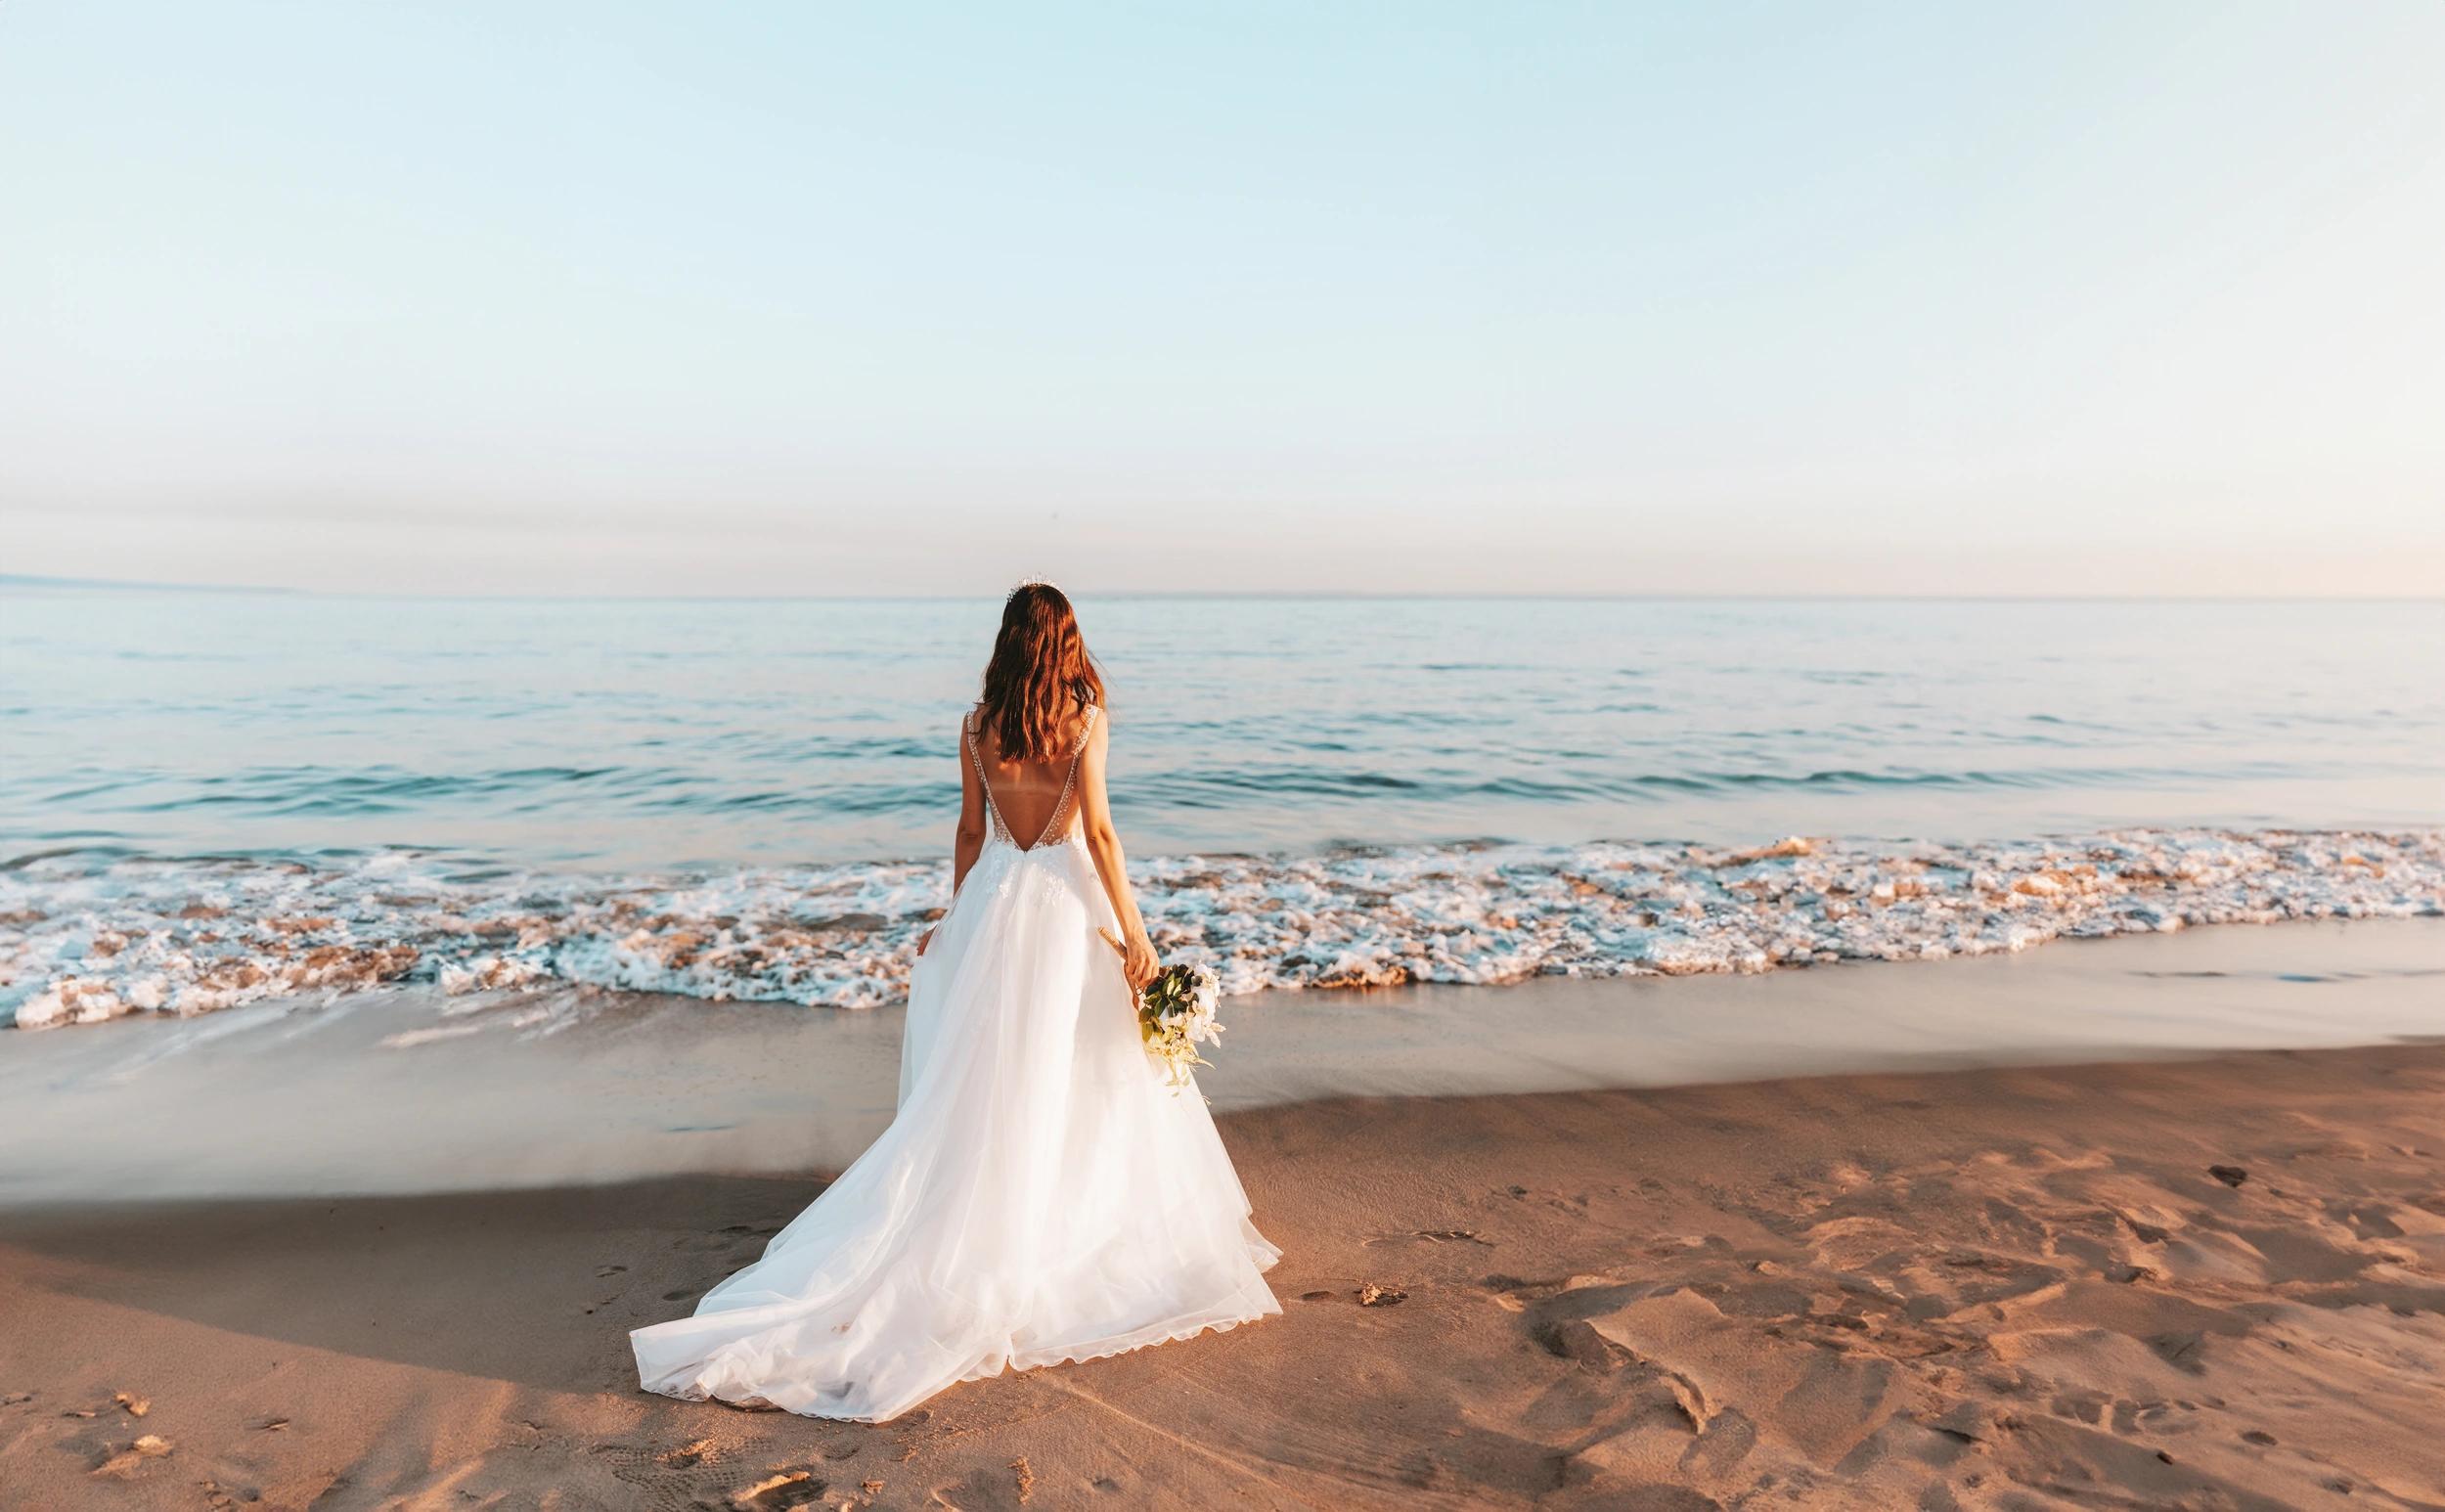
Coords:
673,734
209,799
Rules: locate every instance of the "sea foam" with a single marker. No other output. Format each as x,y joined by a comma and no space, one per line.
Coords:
85,937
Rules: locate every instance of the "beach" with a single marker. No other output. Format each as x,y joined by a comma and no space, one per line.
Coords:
1936,1272
1690,1054
1762,687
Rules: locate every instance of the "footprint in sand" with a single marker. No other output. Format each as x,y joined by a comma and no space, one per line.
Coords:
1433,1236
789,1489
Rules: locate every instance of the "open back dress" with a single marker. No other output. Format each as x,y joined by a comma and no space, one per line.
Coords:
1041,1196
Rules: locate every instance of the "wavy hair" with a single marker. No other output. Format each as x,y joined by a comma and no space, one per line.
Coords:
1038,676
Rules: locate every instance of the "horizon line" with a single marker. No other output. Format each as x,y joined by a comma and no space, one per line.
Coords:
36,581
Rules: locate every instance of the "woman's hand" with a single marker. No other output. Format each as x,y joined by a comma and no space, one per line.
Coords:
925,939
1137,961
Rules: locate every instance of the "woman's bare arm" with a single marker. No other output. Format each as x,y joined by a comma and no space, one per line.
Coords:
1104,845
969,838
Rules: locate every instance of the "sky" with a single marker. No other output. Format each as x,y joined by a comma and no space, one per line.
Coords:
2127,298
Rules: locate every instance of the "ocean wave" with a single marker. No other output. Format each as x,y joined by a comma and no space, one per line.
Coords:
87,935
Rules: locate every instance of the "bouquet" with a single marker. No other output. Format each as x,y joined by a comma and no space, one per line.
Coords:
1176,1015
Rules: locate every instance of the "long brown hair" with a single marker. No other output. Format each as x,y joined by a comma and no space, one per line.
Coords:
1038,676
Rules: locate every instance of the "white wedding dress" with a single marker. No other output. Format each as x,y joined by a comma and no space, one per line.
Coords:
1041,1196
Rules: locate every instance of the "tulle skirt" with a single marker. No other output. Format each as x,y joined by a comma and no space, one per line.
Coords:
1041,1195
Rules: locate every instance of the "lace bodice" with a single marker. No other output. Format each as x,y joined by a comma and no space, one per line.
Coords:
1057,823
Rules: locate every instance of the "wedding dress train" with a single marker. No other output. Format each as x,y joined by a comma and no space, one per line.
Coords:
1041,1196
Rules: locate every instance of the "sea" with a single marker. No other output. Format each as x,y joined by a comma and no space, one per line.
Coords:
215,798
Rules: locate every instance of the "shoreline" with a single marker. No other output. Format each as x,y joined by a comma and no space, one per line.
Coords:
412,1092
2203,1281
83,943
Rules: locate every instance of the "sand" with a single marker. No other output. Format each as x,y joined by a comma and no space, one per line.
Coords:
2014,1287
1936,1272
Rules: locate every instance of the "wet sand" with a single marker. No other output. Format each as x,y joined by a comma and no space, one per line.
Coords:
2205,1281
396,1092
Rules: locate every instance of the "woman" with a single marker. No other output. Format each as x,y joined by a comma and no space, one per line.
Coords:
1041,1195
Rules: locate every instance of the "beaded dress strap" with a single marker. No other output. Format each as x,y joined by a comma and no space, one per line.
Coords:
976,758
1069,787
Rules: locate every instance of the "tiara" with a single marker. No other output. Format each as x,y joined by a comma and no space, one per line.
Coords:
1035,582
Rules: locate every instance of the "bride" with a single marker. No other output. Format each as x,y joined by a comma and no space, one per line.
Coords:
1041,1196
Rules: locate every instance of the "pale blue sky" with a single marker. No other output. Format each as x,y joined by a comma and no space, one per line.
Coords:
771,298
